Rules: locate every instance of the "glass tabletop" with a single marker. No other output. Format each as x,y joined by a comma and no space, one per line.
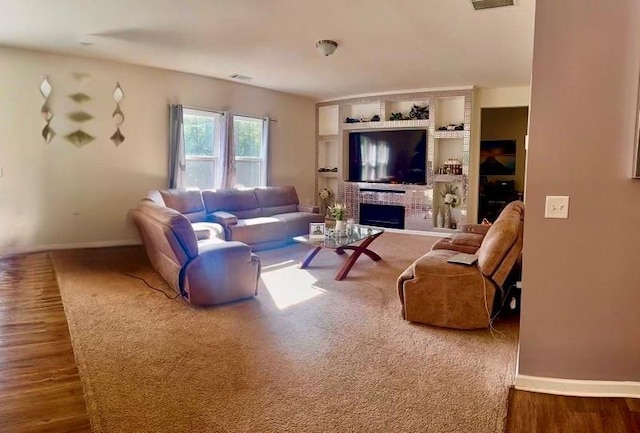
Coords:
333,239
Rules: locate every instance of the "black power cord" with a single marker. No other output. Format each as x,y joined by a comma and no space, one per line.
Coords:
150,286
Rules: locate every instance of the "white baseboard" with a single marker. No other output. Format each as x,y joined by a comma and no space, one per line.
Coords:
578,388
51,247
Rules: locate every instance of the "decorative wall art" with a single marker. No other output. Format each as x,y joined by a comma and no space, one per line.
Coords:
80,138
45,89
118,115
497,157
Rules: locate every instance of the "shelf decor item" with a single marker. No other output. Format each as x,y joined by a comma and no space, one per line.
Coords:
449,195
419,112
45,90
439,221
339,212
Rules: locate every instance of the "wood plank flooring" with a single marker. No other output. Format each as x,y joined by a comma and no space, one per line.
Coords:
531,412
40,388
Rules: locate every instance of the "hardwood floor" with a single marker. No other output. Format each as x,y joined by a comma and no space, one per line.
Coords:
40,388
531,412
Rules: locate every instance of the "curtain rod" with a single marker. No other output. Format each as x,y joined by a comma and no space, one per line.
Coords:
208,110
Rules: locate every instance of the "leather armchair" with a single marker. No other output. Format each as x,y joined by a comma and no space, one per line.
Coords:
436,292
471,235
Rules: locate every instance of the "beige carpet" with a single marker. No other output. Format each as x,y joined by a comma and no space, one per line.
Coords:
309,354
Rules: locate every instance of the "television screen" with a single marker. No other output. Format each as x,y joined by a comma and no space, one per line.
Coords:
388,156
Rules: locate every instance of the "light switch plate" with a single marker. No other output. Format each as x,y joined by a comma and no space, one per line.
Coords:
557,206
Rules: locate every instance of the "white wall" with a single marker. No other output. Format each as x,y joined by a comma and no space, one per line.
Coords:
56,194
484,97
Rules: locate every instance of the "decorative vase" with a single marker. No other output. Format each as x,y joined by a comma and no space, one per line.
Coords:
341,227
447,216
439,221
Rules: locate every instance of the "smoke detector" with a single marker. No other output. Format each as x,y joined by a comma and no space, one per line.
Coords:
490,4
326,46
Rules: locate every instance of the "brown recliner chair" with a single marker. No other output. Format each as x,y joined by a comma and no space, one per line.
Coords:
471,235
436,292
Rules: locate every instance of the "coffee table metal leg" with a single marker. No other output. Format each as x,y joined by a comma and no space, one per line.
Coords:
307,259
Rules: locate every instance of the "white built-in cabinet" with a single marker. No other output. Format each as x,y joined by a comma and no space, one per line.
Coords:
445,107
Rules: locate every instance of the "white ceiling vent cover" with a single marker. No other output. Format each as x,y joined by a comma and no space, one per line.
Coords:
240,77
490,4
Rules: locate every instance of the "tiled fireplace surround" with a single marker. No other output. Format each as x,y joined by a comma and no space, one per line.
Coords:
417,201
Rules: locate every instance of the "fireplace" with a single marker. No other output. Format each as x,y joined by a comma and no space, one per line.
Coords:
382,215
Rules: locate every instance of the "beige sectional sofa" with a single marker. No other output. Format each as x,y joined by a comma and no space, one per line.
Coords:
201,242
260,217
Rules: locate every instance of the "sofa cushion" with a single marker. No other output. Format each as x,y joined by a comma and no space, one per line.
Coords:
241,203
176,228
297,223
502,235
274,200
188,202
275,210
258,230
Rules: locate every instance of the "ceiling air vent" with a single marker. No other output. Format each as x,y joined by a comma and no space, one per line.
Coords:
490,4
240,77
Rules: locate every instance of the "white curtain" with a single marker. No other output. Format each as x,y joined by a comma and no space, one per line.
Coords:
264,152
228,156
177,158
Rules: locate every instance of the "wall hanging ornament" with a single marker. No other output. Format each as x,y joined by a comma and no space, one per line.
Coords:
45,89
118,115
80,138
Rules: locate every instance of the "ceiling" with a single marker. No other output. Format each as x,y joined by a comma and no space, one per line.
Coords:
384,45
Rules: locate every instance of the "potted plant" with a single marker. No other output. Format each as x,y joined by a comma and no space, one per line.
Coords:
339,212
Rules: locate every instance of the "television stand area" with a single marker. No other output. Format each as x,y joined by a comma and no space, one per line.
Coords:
395,154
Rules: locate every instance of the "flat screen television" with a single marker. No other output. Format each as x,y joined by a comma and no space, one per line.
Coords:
388,156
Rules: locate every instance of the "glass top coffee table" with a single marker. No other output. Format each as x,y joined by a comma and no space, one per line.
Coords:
358,240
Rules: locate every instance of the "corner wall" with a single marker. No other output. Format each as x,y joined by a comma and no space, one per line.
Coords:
58,195
580,314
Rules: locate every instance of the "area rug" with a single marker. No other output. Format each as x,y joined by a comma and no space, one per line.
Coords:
309,354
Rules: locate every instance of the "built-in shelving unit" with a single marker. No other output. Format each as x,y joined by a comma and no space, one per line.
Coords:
446,108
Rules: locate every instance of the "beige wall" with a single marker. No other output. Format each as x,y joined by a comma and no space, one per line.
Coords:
506,124
581,282
488,97
56,194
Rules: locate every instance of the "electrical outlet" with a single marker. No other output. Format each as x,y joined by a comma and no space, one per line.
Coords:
557,206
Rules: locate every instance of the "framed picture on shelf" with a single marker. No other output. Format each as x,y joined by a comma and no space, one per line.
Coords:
316,231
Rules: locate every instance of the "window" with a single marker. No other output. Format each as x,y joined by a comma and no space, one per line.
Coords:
250,147
202,149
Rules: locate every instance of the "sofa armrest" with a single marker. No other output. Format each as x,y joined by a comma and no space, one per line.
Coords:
480,229
310,209
225,219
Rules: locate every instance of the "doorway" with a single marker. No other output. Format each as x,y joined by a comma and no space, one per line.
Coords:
502,159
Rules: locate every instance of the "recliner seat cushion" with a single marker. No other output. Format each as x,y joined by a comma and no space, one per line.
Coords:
258,230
